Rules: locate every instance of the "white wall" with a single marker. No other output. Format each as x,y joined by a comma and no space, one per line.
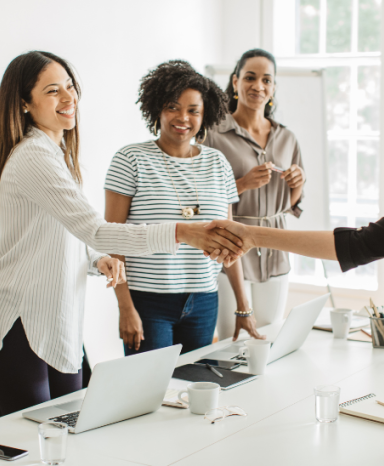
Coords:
241,28
112,44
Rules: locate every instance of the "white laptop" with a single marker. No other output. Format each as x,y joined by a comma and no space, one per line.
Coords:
291,333
118,390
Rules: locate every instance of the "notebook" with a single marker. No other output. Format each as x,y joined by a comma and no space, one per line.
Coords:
195,373
365,407
362,335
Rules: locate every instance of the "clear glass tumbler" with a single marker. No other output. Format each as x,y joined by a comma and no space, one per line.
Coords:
53,442
327,403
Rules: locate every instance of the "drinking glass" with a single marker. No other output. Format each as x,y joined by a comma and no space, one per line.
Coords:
327,403
53,442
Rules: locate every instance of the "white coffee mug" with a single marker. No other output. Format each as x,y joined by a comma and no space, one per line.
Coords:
257,354
341,322
202,396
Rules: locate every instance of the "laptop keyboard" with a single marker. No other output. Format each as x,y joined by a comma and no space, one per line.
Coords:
240,359
70,419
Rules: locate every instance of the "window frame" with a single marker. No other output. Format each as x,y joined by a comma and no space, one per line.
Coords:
353,60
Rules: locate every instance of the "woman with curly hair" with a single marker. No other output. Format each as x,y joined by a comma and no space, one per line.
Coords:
255,145
169,300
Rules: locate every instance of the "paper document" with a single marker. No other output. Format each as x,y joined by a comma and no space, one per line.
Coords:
171,396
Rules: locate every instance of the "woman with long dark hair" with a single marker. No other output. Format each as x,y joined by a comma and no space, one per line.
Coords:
47,230
174,300
255,144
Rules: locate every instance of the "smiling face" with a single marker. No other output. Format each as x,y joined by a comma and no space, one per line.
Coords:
180,121
54,101
256,84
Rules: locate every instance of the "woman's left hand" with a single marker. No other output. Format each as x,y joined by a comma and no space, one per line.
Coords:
294,176
248,324
112,268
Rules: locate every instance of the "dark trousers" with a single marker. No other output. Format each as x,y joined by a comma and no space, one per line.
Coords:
25,379
172,318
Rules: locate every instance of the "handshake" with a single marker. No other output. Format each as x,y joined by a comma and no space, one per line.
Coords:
226,241
221,240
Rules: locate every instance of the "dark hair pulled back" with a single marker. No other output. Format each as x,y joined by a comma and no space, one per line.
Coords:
232,102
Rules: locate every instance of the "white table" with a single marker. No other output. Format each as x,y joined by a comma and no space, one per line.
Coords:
280,428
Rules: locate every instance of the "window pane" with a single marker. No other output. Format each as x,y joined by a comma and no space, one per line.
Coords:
337,86
339,22
369,25
304,265
338,167
338,221
368,98
309,23
332,269
368,171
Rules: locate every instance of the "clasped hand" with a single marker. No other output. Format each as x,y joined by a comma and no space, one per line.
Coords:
240,231
219,244
294,176
261,175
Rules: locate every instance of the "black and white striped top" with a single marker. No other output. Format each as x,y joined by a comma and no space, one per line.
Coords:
45,224
139,171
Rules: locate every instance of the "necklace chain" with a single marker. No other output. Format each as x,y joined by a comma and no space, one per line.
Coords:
174,186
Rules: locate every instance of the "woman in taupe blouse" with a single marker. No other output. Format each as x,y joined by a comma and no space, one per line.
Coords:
255,145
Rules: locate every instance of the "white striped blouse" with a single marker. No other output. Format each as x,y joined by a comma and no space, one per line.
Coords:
143,172
46,226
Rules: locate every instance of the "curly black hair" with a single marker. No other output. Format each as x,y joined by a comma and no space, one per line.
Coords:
166,83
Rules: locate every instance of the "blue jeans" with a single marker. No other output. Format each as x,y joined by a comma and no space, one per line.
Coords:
172,318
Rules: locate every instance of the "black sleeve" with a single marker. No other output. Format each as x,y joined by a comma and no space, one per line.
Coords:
356,247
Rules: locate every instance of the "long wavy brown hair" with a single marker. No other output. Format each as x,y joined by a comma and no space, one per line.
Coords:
17,84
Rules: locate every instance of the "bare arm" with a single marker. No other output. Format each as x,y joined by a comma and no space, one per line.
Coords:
117,209
236,279
318,244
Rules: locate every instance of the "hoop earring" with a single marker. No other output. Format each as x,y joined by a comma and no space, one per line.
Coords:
205,135
155,128
235,96
271,102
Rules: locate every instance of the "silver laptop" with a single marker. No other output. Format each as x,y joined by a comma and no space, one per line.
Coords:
287,336
118,390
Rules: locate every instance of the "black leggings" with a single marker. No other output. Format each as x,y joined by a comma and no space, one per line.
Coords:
25,379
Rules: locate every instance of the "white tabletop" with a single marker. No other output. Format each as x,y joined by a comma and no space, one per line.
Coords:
280,427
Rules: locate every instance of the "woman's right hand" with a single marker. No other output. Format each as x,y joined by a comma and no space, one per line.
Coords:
245,232
255,178
223,245
131,328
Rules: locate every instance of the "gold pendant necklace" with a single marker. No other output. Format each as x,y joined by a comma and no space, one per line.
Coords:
186,212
